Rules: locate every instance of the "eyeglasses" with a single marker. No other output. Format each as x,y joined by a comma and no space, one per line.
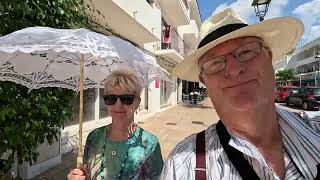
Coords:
242,54
125,99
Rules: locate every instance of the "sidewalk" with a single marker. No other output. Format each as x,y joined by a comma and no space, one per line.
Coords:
171,126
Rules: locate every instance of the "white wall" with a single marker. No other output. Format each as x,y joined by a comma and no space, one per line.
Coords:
146,15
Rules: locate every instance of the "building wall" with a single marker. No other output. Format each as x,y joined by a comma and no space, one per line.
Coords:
304,55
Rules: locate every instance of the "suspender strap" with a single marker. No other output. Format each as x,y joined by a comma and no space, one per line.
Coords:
318,173
200,173
236,157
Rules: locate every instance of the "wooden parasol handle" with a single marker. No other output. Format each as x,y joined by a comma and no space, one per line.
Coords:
80,152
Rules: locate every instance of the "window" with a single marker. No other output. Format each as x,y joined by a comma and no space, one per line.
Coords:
185,4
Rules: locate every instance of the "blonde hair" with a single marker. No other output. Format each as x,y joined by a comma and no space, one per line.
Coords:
124,79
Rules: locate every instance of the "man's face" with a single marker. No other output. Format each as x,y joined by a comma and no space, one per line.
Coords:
243,85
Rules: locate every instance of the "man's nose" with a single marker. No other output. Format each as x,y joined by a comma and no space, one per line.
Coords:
233,67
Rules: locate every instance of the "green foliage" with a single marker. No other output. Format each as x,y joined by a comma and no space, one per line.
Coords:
285,75
18,14
27,119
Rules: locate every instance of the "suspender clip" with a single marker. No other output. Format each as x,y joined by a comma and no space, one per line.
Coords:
200,169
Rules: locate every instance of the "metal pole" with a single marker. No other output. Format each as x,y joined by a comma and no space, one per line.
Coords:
300,80
80,152
318,70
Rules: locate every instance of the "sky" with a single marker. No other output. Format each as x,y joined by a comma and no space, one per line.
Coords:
308,11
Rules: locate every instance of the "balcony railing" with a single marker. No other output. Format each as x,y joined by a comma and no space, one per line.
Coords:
172,40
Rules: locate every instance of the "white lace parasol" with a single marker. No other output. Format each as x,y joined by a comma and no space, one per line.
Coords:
76,59
39,57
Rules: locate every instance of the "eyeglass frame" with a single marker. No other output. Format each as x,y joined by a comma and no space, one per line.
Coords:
119,97
261,45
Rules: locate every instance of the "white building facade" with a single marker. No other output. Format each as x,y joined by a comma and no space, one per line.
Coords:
304,63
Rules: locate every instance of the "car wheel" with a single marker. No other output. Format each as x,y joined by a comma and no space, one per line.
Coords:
305,106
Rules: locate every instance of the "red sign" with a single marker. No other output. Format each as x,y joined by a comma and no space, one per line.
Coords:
157,83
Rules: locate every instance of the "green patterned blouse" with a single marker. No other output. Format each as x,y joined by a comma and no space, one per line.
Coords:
138,157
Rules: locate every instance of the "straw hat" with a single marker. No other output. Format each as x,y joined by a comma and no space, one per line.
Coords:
280,34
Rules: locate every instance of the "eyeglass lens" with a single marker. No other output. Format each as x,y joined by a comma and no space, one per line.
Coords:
243,53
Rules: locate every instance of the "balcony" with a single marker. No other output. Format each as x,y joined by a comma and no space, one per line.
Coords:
139,22
173,47
195,14
190,34
177,12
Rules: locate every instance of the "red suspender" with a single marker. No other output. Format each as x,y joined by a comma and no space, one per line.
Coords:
200,157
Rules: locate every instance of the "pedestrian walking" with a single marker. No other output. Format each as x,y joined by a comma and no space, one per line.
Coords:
121,150
254,139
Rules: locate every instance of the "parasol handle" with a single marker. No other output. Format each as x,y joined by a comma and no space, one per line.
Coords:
80,152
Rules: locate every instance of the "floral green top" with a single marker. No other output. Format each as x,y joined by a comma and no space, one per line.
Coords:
138,157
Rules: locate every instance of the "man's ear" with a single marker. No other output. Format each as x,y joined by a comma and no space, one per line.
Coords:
201,78
269,52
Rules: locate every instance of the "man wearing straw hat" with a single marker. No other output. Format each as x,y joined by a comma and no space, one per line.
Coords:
254,139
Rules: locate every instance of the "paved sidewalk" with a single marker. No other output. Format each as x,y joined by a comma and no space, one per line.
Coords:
171,126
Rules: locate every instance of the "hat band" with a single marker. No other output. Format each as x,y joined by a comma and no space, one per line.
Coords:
221,31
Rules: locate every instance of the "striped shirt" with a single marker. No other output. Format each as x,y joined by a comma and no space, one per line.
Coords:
301,153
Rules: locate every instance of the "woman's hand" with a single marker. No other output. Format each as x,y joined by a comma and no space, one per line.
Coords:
77,174
132,128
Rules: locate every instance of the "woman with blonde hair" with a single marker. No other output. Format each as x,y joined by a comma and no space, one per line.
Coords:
121,150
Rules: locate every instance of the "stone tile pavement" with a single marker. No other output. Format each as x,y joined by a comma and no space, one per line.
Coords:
171,126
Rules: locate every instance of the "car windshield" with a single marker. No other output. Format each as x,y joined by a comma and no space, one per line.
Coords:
292,89
316,91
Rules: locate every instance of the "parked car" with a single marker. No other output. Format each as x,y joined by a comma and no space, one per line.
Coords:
282,92
306,97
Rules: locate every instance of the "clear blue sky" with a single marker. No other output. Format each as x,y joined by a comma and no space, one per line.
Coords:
306,10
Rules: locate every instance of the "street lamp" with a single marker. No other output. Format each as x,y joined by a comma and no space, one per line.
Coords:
261,8
317,58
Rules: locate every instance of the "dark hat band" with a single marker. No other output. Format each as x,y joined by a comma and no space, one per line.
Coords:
221,31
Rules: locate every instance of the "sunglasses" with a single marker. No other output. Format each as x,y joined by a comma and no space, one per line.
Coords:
125,99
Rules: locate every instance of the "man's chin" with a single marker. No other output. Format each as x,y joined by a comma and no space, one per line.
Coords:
244,104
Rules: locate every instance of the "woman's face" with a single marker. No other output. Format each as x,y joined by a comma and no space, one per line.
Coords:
121,104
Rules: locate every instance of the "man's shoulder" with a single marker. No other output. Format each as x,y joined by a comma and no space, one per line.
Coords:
187,148
299,122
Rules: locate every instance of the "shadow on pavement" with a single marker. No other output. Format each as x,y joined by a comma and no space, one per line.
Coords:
200,106
172,124
199,123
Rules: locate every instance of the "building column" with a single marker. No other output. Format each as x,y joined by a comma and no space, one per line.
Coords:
154,96
97,104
